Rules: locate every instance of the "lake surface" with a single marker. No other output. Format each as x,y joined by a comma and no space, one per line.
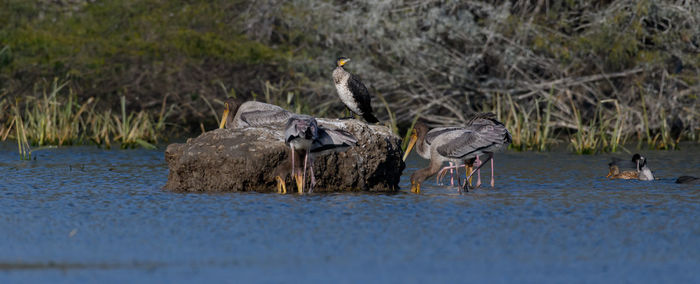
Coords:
82,214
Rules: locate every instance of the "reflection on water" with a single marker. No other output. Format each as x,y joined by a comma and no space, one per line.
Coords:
81,214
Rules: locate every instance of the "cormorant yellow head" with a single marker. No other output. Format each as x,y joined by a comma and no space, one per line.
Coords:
341,61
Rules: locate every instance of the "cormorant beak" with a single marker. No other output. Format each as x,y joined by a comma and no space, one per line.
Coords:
411,143
223,119
343,61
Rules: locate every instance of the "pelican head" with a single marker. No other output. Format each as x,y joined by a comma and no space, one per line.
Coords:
341,61
419,131
301,126
230,105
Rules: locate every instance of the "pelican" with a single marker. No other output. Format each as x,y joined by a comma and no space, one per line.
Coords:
352,92
482,134
251,113
303,135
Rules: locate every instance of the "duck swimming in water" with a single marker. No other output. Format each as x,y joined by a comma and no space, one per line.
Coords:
688,180
616,174
639,165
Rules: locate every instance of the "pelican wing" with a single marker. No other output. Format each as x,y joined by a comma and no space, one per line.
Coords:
300,126
265,117
469,142
436,132
333,138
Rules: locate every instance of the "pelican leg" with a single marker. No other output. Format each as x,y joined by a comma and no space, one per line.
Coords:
443,172
311,171
477,169
292,153
452,175
303,176
493,180
478,172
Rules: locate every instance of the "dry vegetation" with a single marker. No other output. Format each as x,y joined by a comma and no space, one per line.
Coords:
592,74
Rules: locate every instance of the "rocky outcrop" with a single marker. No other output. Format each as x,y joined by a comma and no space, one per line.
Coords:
248,160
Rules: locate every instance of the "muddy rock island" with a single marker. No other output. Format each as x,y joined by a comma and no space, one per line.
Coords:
248,159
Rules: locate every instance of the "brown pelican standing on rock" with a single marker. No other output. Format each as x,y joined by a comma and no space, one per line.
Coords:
251,113
352,92
303,134
482,134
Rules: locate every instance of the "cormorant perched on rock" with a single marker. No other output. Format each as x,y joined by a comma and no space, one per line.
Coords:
352,92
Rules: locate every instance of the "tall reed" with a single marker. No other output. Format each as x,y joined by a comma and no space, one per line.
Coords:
56,117
529,128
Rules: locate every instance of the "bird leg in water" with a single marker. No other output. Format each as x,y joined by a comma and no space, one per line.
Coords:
478,172
477,169
493,180
441,174
303,176
311,171
296,175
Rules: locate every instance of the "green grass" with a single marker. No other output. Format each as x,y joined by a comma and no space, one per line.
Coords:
529,128
56,117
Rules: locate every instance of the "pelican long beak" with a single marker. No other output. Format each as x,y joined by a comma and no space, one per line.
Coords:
468,173
223,119
281,187
300,182
411,143
415,187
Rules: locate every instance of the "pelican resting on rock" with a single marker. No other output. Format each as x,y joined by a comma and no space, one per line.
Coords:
352,92
304,136
239,114
481,135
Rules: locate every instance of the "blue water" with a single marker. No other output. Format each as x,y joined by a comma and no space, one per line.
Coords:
81,214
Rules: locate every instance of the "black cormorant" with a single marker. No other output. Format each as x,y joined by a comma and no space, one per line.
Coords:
352,92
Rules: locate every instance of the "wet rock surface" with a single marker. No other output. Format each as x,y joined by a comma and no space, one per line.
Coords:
248,160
